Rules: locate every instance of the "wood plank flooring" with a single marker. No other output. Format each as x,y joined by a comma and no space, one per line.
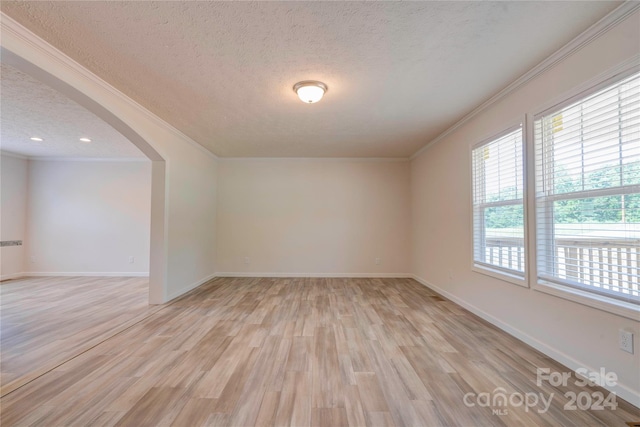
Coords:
301,352
44,321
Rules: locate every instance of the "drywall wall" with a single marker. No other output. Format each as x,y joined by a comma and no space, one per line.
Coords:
313,217
193,190
574,334
89,217
13,214
183,173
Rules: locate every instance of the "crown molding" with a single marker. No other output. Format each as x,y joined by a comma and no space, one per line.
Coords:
612,19
91,159
13,155
624,69
73,159
10,28
315,159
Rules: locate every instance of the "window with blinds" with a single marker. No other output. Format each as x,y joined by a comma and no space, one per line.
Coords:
498,208
587,156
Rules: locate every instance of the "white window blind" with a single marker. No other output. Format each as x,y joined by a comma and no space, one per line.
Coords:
498,209
588,192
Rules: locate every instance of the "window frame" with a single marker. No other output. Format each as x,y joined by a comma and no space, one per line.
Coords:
602,301
486,269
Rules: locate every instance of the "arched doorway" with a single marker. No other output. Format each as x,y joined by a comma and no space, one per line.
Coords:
157,262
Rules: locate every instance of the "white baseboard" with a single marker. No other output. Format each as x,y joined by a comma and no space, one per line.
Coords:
621,390
86,274
185,289
332,275
12,276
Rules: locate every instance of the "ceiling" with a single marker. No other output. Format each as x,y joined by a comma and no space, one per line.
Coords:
30,108
399,73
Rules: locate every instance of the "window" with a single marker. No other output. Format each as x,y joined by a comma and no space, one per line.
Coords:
587,156
498,208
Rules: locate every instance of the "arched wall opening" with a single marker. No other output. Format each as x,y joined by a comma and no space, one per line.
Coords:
158,236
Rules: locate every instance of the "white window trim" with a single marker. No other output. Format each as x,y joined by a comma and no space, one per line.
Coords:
494,271
601,302
576,295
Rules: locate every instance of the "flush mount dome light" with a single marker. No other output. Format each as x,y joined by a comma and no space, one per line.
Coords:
85,139
36,138
310,91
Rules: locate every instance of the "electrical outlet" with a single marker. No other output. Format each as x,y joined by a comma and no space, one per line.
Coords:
377,261
625,339
450,274
33,259
247,260
132,260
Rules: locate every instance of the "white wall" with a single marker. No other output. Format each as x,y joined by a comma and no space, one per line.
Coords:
88,217
13,203
308,217
192,216
574,334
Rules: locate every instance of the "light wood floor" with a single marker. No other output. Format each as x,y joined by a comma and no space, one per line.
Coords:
45,321
319,352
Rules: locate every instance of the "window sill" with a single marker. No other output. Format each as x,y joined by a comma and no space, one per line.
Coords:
500,275
611,305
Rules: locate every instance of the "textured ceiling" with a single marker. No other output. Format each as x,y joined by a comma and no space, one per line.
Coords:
399,73
30,108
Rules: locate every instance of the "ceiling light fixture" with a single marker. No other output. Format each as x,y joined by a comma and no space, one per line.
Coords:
85,140
36,138
310,91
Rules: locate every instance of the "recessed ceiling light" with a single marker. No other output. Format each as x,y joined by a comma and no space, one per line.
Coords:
36,138
310,91
85,140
